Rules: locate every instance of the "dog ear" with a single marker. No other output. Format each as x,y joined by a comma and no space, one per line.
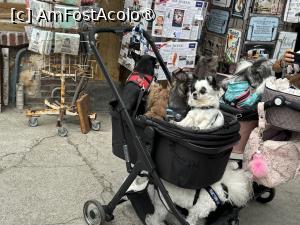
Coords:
154,61
136,57
213,82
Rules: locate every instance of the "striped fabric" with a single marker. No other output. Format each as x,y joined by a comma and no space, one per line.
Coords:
10,38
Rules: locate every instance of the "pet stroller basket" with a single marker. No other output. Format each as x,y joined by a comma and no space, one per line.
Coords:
248,120
287,113
184,157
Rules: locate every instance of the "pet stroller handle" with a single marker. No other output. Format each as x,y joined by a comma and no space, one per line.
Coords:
145,155
280,101
120,30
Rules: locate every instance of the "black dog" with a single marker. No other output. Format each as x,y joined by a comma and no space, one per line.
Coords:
138,82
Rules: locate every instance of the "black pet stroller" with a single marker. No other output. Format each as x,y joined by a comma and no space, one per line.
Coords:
185,158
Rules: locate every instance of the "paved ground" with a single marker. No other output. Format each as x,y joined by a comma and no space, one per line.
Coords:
45,179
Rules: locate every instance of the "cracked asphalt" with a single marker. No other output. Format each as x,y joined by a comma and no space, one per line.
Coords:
45,179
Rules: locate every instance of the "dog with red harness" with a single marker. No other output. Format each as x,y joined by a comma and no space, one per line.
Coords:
138,83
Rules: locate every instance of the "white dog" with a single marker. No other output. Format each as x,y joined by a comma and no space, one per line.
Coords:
204,102
237,191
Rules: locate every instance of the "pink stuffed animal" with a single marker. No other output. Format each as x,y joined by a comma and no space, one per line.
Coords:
258,165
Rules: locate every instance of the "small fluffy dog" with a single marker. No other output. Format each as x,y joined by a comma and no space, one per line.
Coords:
178,104
204,102
235,187
157,101
174,99
255,72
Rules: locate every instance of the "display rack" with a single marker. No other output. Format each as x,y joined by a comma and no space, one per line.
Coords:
65,66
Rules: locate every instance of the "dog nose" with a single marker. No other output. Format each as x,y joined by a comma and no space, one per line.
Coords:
195,96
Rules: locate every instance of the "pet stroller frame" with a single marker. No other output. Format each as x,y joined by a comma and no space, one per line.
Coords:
101,213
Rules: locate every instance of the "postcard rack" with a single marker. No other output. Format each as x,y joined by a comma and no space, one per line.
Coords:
66,54
64,67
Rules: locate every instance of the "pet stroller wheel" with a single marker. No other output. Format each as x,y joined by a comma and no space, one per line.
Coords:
267,196
33,122
234,222
62,131
94,213
96,125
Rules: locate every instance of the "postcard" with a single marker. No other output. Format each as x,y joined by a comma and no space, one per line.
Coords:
233,43
239,8
222,3
274,7
292,11
67,43
262,28
286,40
213,44
218,21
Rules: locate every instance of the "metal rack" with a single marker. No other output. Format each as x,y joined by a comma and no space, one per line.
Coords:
65,66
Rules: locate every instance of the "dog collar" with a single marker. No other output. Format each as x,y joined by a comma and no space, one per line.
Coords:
204,107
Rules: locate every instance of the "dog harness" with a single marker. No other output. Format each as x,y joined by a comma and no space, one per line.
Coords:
212,194
141,80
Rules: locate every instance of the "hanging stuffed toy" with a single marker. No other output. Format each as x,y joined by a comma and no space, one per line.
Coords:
258,165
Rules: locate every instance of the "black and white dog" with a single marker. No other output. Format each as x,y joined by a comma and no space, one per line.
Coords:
139,80
234,188
204,102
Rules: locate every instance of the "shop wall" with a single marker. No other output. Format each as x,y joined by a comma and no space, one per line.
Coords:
5,16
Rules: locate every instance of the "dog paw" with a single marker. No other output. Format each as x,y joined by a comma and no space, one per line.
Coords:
173,122
234,164
153,220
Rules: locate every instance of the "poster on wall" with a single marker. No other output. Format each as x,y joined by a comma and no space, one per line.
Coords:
175,55
138,6
263,28
286,40
222,3
218,21
239,8
181,20
292,11
233,43
125,58
274,7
